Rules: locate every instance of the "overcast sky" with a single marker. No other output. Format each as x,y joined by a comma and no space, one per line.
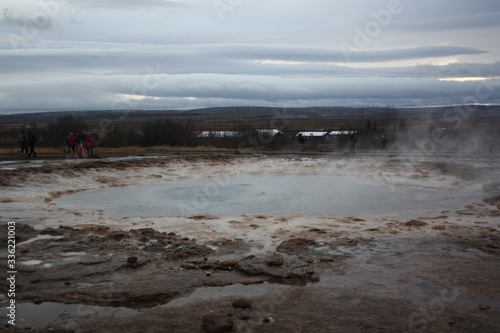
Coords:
186,54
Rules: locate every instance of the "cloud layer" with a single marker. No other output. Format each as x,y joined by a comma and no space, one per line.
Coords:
110,54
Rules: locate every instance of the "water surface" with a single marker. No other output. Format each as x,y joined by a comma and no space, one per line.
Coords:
307,195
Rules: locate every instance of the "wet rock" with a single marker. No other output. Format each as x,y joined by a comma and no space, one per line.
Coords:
484,307
116,236
314,277
51,232
319,231
215,265
132,260
494,201
244,316
414,223
242,303
295,245
289,269
275,261
185,249
217,323
230,263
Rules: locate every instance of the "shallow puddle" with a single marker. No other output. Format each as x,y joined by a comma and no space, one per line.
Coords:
269,195
66,315
52,314
237,289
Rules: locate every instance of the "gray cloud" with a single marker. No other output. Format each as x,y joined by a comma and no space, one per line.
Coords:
183,54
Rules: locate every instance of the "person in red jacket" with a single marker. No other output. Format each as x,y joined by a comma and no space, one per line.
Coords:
89,143
71,141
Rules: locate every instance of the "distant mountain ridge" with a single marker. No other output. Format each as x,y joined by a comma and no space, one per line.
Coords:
477,111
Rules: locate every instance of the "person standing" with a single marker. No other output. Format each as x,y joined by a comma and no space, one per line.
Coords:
31,144
301,143
353,139
80,141
384,143
72,143
23,143
89,143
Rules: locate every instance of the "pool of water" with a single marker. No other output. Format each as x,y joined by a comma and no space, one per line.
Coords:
72,316
306,195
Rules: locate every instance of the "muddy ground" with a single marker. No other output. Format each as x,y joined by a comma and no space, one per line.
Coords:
83,272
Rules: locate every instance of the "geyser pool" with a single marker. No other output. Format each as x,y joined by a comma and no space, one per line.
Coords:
309,195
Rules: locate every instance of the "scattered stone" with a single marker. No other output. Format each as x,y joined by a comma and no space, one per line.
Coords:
319,231
230,263
484,307
291,267
208,274
414,223
275,261
295,245
314,277
196,261
35,281
493,201
24,250
439,227
117,235
67,283
244,316
217,323
307,259
132,260
242,303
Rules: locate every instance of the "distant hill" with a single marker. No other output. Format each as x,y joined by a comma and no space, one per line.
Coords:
478,111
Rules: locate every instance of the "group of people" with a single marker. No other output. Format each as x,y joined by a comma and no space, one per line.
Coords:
76,143
354,138
27,143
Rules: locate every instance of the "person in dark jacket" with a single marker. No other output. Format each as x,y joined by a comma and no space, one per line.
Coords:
384,143
23,143
31,144
301,141
353,139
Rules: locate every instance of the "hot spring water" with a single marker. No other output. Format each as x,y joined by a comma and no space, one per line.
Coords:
307,195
